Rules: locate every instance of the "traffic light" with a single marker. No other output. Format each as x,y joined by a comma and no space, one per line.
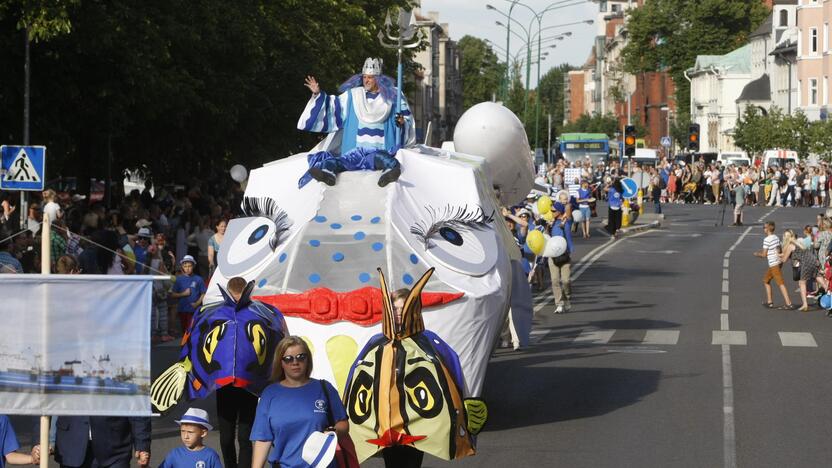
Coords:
693,137
629,141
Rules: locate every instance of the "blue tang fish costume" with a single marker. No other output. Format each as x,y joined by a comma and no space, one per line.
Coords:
229,343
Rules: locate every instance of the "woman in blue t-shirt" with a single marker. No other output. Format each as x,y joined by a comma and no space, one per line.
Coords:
293,407
562,225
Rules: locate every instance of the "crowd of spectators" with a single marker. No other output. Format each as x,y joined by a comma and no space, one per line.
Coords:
147,232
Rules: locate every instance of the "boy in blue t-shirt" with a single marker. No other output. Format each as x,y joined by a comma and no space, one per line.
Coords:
9,445
190,290
193,427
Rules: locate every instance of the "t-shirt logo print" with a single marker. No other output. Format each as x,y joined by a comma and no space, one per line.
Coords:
200,464
320,406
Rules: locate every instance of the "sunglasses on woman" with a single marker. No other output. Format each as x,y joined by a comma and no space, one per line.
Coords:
290,359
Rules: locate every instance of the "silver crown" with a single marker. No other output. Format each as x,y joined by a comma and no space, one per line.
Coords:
372,66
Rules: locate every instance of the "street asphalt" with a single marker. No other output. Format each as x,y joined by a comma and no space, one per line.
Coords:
667,359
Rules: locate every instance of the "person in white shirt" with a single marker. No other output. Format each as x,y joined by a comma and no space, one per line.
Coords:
50,207
771,252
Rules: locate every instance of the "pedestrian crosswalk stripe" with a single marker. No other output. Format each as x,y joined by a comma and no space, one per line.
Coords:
804,340
729,337
595,336
661,337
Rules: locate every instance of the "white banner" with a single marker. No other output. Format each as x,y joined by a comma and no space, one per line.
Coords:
75,345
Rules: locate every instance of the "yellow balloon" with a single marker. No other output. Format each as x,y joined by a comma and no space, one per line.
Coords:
536,242
544,204
549,216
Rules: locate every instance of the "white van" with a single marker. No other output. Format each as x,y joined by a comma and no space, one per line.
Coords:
779,158
737,158
646,157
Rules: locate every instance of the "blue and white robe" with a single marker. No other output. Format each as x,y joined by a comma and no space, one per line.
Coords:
367,119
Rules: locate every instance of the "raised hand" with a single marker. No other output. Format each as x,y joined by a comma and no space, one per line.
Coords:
311,83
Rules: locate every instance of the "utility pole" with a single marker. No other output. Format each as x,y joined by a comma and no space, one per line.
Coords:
26,113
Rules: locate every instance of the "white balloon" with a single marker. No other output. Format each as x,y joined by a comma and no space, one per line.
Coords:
492,131
555,246
239,173
577,216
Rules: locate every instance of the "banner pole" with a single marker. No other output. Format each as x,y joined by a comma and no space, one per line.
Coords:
45,267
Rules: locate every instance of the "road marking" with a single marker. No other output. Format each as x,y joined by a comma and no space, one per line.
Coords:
729,435
804,340
592,256
729,337
661,337
665,252
767,214
725,338
595,336
725,263
536,336
725,274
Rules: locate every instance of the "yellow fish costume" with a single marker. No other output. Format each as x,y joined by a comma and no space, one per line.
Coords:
406,388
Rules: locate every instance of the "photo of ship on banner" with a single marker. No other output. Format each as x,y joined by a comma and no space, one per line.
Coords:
75,345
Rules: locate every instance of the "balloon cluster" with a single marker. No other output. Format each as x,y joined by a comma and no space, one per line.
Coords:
539,243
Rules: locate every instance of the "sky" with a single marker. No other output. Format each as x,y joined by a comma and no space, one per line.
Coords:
470,17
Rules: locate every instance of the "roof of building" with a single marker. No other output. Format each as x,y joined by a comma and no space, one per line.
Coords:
785,47
785,2
763,30
737,61
757,90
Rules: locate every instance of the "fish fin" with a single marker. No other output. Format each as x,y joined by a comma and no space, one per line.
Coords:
477,414
167,389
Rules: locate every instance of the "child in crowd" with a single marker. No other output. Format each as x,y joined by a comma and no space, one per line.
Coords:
193,427
9,445
190,290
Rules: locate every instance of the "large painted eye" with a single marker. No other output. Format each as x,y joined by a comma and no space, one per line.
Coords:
461,239
361,398
246,245
423,393
212,336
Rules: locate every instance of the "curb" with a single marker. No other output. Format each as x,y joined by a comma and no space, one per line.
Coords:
623,232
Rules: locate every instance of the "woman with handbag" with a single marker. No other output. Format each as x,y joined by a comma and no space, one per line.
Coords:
293,407
805,264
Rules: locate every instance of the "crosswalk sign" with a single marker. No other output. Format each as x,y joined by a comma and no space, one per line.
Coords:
23,167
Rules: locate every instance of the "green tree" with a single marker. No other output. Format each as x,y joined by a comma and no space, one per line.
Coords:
595,123
667,35
187,87
752,131
481,70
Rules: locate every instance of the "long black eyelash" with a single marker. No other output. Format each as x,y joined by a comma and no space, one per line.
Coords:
450,216
266,207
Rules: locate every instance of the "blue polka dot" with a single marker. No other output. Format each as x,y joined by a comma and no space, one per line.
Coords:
356,217
359,235
314,278
314,242
335,226
320,219
377,246
337,256
407,279
282,257
375,220
261,283
414,259
364,277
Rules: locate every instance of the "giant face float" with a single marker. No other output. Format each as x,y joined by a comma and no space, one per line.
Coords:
313,252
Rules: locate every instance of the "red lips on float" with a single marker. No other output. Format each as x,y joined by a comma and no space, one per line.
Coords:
361,306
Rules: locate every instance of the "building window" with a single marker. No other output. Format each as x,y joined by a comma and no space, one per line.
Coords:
825,91
784,18
813,91
813,38
799,92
